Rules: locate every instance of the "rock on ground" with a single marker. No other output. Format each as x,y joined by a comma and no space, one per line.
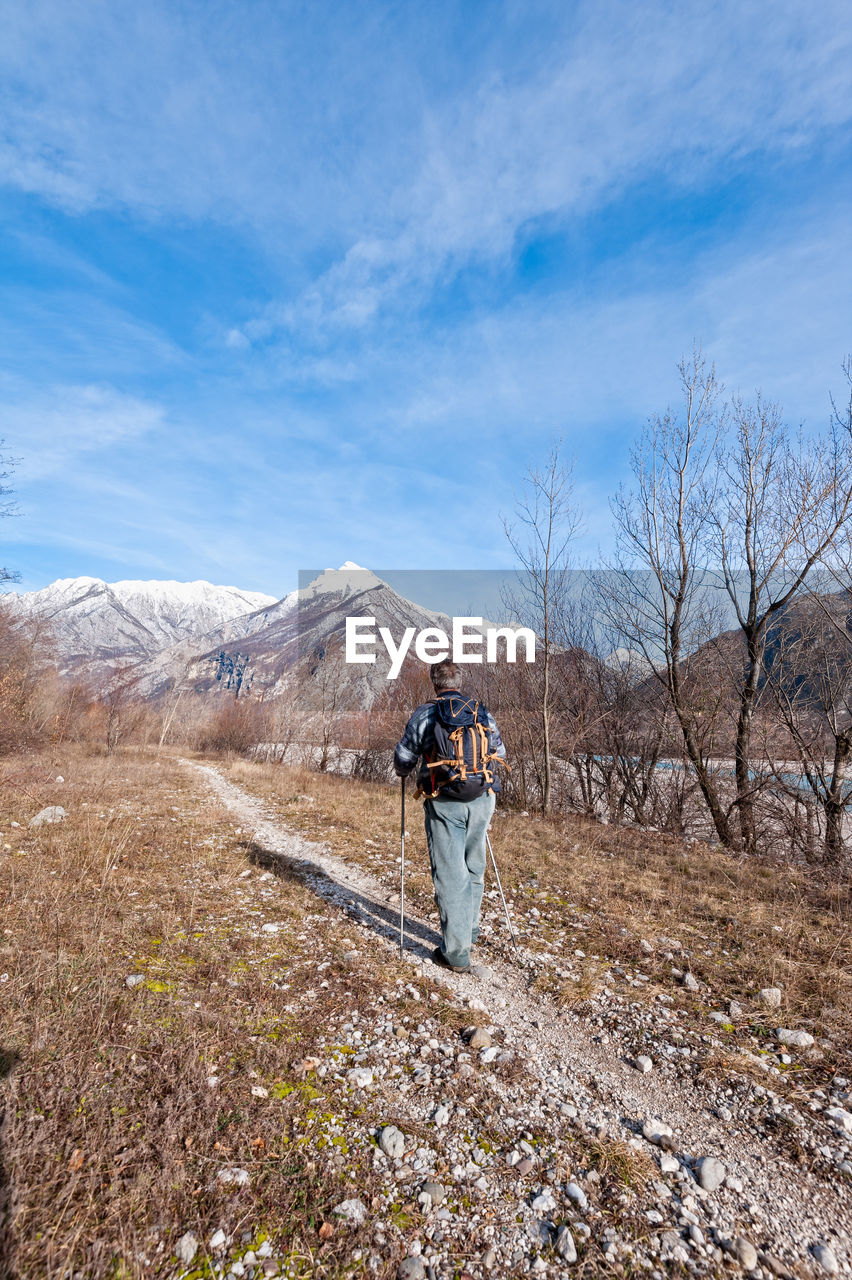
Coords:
354,1211
53,813
565,1246
826,1259
392,1142
186,1248
798,1039
411,1269
710,1173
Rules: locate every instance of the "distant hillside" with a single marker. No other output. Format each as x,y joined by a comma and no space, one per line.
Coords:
97,625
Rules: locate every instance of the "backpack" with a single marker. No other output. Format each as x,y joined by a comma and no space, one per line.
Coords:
459,767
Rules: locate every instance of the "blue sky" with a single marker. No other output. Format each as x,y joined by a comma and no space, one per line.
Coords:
289,284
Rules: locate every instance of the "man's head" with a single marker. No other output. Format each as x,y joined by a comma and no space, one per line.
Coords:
444,675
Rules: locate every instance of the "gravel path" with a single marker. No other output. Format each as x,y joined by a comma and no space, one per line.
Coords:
787,1211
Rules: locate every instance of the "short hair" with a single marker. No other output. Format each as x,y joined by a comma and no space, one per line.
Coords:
444,675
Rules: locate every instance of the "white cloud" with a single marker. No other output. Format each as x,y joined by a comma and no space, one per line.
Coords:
51,429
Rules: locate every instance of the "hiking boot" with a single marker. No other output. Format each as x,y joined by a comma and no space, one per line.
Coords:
440,959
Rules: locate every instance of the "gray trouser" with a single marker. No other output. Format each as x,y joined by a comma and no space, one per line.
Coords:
455,834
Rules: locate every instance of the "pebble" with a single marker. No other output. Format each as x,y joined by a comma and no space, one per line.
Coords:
644,1064
646,947
392,1141
798,1039
488,1055
746,1252
690,981
735,1009
840,1117
565,1246
217,1241
436,1192
710,1173
480,1039
825,1257
353,1211
770,997
186,1248
233,1177
669,1163
134,980
411,1269
544,1202
654,1131
441,1115
53,813
359,1077
489,1257
578,1195
523,1167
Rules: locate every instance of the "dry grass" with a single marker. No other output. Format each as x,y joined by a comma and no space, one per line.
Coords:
112,1137
746,924
623,1163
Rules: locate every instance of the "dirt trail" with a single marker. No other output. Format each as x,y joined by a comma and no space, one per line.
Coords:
780,1207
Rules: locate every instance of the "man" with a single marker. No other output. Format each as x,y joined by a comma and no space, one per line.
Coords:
459,802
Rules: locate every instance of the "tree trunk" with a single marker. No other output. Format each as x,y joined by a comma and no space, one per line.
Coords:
706,784
545,724
834,806
742,751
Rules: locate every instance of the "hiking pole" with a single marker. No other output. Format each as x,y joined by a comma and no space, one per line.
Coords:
502,895
402,861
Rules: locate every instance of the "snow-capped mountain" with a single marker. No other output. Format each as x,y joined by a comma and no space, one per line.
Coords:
98,625
259,650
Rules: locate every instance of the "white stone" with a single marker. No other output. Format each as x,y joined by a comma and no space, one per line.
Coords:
441,1115
544,1202
217,1241
710,1173
53,813
577,1194
392,1142
134,979
840,1117
826,1259
359,1077
354,1211
654,1130
798,1039
186,1248
565,1246
770,997
258,1091
644,1064
233,1177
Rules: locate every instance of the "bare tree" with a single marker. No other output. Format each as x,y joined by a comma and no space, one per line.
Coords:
542,537
656,595
809,679
121,708
781,505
